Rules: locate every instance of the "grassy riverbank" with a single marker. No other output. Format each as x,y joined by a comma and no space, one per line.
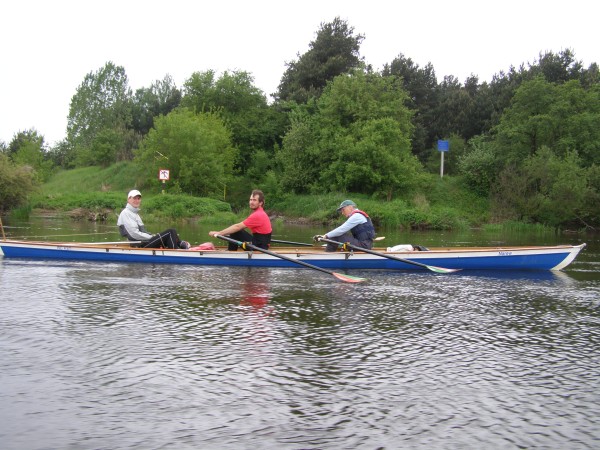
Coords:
444,205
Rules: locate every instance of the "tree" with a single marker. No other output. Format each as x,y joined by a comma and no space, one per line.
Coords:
243,107
102,101
356,137
480,165
557,68
160,98
27,148
196,148
423,91
546,189
298,158
561,117
375,159
105,146
17,182
335,51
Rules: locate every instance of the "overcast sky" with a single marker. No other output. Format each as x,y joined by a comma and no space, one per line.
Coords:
48,46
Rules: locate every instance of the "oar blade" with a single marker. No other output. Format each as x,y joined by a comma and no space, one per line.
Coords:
348,278
441,269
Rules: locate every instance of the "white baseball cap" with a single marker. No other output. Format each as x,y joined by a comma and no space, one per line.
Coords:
134,193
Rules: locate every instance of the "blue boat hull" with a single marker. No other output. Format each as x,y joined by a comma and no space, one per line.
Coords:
508,258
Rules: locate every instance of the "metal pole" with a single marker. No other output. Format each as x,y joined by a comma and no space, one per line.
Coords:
442,166
2,227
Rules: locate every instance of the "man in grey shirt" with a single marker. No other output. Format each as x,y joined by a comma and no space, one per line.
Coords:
131,226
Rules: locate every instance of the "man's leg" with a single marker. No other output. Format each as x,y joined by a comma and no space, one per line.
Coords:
347,237
165,239
242,236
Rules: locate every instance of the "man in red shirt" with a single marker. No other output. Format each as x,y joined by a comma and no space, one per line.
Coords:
258,222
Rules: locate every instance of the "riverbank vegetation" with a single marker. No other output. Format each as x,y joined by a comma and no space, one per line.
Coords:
523,148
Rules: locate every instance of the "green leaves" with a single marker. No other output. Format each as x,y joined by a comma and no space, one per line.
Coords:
356,139
335,51
102,101
196,148
16,183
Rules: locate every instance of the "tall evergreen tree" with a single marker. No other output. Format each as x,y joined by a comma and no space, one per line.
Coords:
334,51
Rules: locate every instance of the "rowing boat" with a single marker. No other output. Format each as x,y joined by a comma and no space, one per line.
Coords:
461,258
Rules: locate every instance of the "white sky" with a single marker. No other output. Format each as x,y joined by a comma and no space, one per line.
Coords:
48,46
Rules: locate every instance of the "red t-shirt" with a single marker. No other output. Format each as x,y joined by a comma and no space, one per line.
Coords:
259,222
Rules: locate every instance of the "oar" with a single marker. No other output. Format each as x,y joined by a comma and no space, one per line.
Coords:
339,276
305,244
108,243
383,255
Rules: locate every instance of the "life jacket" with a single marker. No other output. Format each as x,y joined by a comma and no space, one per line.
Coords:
365,232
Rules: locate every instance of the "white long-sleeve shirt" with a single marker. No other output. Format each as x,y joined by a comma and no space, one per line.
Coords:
133,224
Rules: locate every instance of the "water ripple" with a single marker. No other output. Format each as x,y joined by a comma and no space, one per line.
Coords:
133,356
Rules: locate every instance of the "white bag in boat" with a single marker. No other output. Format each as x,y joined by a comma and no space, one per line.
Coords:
401,248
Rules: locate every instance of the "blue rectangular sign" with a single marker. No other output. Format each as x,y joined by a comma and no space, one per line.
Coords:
443,146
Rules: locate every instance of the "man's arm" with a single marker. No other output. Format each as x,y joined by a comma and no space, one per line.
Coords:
132,227
353,220
230,229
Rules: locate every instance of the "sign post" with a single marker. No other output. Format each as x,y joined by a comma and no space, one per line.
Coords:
443,147
163,175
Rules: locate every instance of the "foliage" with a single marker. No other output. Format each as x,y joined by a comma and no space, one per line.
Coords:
447,207
196,148
105,146
17,183
355,138
61,155
242,106
375,159
102,102
589,213
422,88
558,68
85,200
561,117
559,186
479,165
183,206
339,126
547,189
335,51
27,149
167,205
159,99
298,158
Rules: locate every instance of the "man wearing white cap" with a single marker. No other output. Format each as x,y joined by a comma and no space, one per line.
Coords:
131,226
357,229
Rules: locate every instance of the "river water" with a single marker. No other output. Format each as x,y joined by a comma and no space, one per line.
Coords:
133,356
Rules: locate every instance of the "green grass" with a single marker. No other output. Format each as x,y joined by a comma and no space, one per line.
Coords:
443,203
97,189
118,178
518,227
